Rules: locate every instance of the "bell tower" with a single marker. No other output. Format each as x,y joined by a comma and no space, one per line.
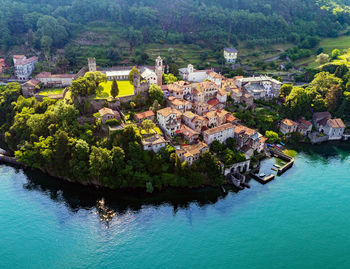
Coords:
92,64
159,71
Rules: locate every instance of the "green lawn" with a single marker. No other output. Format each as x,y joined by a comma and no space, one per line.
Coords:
48,92
156,129
125,89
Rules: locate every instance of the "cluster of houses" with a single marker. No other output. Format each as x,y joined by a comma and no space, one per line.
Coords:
322,128
195,112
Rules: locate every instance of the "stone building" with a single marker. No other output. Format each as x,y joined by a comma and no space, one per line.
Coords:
24,66
59,80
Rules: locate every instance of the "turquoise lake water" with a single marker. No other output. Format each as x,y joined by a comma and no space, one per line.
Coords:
300,220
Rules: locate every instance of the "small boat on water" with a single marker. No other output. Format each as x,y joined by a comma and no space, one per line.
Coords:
262,175
277,166
223,189
274,169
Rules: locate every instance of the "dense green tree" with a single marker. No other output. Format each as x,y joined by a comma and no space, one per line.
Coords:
132,73
114,89
155,93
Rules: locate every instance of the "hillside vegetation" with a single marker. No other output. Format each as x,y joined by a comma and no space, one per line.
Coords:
113,31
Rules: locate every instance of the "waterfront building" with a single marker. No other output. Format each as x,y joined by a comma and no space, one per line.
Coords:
191,153
334,128
288,126
248,140
320,119
304,127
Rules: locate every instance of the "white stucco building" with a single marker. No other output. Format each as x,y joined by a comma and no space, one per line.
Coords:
169,120
24,66
262,87
154,143
220,133
230,55
334,128
58,80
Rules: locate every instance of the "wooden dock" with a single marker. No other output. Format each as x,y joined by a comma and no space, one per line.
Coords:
263,180
288,159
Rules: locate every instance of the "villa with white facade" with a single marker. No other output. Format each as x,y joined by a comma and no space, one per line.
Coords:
220,133
24,66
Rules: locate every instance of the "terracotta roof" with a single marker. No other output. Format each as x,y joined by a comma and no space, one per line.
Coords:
230,118
336,123
178,102
305,122
165,112
33,82
153,140
213,102
49,75
17,57
241,130
213,74
187,131
263,139
289,122
222,113
189,114
195,149
222,92
219,129
144,115
210,114
26,61
175,88
105,111
322,115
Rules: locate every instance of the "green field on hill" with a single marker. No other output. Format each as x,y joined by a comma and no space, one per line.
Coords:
125,89
48,92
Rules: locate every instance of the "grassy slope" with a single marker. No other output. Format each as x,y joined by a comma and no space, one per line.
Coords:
48,92
125,88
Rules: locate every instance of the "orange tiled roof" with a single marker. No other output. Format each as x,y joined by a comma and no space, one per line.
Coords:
289,122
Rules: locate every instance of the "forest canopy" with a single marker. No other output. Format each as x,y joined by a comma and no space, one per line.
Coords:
50,24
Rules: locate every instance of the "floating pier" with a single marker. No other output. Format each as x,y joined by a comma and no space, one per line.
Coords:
263,180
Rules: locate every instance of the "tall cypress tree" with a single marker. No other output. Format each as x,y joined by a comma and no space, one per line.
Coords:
114,89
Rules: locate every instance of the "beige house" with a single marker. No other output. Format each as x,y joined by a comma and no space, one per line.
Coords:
188,133
154,143
191,153
288,126
169,120
220,133
30,87
108,114
194,121
147,115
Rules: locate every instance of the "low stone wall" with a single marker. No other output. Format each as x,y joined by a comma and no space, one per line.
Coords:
237,167
316,139
9,160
